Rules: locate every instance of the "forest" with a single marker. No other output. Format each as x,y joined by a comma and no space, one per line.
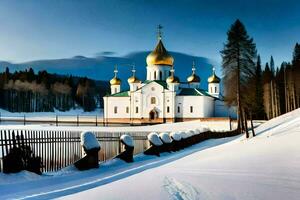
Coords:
259,92
25,91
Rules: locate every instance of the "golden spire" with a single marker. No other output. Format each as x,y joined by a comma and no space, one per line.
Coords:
133,78
172,78
193,78
159,56
213,78
115,80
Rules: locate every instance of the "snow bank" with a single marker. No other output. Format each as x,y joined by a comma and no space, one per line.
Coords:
154,139
89,140
165,137
127,139
176,136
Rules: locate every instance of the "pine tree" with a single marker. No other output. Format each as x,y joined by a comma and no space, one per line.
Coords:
272,66
238,62
259,106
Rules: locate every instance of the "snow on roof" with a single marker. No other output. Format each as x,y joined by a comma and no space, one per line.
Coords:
165,137
89,140
176,136
127,139
154,139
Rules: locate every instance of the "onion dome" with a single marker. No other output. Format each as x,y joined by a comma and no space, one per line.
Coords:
159,56
172,78
133,78
213,78
193,78
115,80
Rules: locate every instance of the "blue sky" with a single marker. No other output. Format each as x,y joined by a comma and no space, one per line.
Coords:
42,29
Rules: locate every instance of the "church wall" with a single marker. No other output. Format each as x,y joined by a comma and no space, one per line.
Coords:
152,90
151,70
120,102
203,106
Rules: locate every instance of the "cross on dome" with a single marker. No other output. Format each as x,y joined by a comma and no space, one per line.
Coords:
116,70
159,32
193,67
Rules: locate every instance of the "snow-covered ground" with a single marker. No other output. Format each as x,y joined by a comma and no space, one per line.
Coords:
264,167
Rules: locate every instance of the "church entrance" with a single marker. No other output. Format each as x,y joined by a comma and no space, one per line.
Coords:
153,114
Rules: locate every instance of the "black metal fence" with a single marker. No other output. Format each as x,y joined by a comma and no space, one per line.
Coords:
59,149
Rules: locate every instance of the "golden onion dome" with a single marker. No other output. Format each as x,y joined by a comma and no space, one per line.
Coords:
133,79
193,78
213,79
160,56
115,81
172,79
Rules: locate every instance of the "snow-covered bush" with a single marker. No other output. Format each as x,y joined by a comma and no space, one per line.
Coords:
176,136
127,140
165,137
154,139
89,141
197,131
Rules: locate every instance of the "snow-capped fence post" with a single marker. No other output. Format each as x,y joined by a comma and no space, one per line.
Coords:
91,147
126,155
56,120
155,144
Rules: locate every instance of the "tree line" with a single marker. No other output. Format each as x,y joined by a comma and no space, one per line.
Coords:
25,91
257,92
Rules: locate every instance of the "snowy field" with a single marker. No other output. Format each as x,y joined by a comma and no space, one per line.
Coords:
264,167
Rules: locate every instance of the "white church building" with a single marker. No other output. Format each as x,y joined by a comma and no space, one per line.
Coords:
162,97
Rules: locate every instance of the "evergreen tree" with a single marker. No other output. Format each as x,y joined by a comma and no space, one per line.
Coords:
272,66
238,62
259,108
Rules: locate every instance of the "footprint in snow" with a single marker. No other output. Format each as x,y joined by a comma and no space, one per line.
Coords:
180,190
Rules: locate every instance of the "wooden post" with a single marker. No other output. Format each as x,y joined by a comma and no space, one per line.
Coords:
56,120
77,120
96,120
24,119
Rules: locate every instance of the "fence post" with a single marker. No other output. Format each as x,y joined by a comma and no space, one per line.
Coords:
230,128
0,117
56,120
24,120
77,120
96,121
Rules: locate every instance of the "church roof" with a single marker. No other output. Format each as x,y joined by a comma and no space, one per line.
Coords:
162,83
120,94
193,92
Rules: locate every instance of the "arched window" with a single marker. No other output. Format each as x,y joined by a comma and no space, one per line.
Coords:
168,109
115,109
191,109
153,100
178,109
127,109
215,89
155,75
136,109
116,90
160,75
